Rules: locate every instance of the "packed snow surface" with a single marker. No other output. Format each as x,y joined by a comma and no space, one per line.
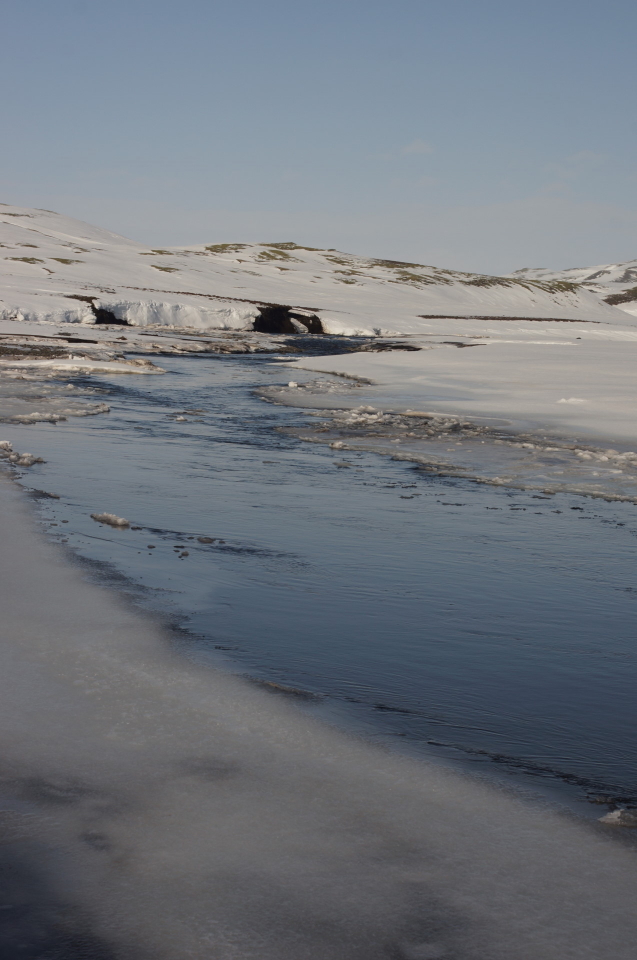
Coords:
582,386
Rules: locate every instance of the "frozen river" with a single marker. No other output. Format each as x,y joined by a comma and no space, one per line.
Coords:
487,627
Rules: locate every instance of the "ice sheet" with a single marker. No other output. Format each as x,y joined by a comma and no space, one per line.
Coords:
581,387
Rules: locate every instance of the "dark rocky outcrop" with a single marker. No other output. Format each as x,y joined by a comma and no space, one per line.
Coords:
101,315
278,318
106,316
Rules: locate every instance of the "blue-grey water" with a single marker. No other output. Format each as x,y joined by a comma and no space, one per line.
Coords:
490,627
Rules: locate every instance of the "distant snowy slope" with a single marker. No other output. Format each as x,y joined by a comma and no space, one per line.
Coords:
614,283
53,268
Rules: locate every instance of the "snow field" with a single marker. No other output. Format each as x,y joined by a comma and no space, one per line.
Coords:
53,268
583,387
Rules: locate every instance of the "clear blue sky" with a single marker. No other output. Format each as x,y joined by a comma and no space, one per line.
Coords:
477,134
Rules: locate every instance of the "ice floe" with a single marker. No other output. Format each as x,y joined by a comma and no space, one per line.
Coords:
622,817
111,519
84,365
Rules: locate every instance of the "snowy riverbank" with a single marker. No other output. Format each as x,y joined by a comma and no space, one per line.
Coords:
543,405
153,806
538,354
56,269
574,381
182,812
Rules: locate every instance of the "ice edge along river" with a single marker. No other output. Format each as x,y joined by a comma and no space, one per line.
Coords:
152,808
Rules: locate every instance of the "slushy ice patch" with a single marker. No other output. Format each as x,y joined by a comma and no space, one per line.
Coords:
9,455
38,399
479,449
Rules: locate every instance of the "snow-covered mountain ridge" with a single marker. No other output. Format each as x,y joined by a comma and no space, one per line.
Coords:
614,283
54,268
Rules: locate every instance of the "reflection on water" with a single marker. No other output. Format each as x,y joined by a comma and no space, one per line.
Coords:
483,623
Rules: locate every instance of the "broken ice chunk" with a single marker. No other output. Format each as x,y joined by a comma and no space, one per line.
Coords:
623,817
111,519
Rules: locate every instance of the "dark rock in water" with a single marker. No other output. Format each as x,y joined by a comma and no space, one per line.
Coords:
206,539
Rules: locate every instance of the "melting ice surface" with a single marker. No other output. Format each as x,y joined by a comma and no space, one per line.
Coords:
153,808
493,627
502,452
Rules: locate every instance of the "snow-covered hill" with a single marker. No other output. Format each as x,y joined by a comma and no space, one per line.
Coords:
59,269
614,283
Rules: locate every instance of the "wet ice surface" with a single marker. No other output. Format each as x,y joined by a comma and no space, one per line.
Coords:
494,451
492,627
152,808
30,399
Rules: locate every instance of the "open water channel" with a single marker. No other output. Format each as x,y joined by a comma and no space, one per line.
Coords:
483,626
